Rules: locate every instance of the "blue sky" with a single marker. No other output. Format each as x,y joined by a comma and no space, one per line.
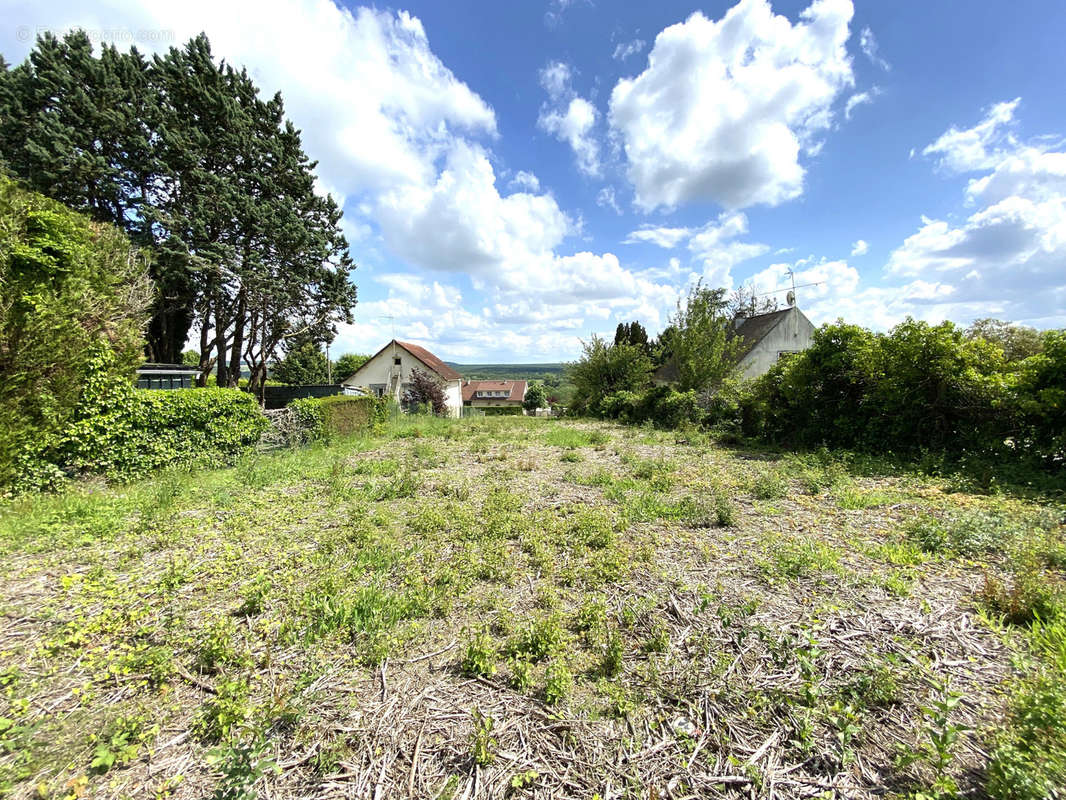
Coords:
517,176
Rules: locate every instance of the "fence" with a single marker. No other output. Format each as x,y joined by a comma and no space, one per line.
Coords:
280,396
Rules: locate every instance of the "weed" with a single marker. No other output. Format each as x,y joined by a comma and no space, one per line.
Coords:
482,743
540,639
964,533
558,682
521,673
120,743
940,735
611,658
769,484
254,594
572,457
1027,594
479,658
592,615
224,713
402,484
798,558
620,702
658,640
241,765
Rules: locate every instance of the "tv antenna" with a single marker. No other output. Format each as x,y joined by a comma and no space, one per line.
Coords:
392,320
790,298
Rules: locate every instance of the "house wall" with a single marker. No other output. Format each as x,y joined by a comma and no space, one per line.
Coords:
791,334
484,402
380,370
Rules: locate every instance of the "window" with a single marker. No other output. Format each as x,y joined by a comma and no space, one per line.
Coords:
378,389
396,361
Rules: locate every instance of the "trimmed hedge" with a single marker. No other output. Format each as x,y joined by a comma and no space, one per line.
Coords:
321,419
500,411
124,433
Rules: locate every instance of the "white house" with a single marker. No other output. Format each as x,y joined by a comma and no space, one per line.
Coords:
764,338
388,374
768,337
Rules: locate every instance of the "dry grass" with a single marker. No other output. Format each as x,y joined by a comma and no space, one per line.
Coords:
461,609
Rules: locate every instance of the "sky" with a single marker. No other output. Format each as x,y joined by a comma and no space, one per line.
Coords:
517,176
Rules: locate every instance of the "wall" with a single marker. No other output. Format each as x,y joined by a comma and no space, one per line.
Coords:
380,370
791,334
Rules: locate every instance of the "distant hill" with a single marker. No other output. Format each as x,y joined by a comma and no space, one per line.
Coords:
507,372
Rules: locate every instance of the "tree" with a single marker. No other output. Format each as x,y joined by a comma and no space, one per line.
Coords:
631,333
536,397
304,363
703,348
1016,341
190,358
744,303
425,390
73,292
183,154
347,365
604,369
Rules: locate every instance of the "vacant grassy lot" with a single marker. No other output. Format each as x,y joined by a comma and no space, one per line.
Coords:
528,608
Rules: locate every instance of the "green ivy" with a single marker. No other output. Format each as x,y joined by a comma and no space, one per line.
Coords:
125,433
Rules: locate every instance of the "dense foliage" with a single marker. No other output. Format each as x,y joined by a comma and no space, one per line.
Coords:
425,391
183,155
321,419
536,396
701,348
304,363
605,369
347,365
124,433
68,288
918,388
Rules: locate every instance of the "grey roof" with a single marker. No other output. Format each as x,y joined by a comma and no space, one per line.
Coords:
754,329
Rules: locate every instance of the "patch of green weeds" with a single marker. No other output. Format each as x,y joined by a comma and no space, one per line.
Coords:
479,656
790,558
541,638
558,682
769,484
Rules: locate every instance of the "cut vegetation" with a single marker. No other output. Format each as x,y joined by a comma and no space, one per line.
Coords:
453,608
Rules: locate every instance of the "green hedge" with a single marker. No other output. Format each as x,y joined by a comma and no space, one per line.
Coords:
320,419
124,433
500,411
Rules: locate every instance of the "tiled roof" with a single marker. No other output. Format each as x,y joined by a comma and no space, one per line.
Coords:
516,390
431,361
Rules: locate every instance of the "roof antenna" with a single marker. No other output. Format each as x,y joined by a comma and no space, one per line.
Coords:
391,319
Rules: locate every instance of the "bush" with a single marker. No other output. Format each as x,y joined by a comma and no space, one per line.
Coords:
501,411
124,433
321,419
70,289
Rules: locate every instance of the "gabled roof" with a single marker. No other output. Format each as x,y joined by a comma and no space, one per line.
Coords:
430,360
421,353
516,389
753,330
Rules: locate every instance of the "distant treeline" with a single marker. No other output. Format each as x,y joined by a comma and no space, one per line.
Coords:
510,372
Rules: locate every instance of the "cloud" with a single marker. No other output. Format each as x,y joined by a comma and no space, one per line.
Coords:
526,181
868,44
605,199
569,118
725,108
980,147
1006,257
858,99
667,238
860,248
624,50
715,248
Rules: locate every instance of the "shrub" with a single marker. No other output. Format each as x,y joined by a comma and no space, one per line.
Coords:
124,433
321,419
425,391
70,289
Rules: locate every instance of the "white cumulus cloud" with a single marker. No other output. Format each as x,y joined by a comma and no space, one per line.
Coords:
725,108
860,248
570,118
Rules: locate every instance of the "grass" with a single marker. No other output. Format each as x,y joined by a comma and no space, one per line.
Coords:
438,608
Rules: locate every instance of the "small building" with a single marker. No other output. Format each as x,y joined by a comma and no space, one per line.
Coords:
166,376
764,339
494,394
768,337
388,374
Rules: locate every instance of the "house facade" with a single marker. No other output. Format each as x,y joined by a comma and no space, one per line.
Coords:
494,394
764,339
388,374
